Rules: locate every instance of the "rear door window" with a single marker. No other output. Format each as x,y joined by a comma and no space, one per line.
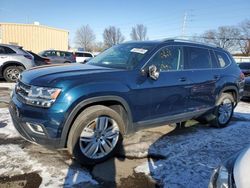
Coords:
9,50
79,54
6,50
197,58
222,59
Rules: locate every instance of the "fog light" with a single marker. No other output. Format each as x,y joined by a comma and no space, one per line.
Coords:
36,128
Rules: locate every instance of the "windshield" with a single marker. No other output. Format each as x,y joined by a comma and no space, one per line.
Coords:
123,56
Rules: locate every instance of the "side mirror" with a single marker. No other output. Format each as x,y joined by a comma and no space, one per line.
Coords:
153,72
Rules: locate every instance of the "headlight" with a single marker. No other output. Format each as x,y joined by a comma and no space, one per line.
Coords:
42,96
219,178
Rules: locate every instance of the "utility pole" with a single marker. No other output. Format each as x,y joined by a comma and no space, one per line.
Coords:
184,25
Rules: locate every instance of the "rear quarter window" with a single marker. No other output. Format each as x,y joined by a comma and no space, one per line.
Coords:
68,54
222,58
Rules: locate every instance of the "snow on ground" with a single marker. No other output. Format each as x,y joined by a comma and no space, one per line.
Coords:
6,126
15,160
192,154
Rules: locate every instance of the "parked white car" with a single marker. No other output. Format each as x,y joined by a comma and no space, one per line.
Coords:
81,57
233,173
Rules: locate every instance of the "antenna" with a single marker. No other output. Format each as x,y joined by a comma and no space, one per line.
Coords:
184,25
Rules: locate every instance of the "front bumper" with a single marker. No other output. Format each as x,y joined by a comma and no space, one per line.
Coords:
26,132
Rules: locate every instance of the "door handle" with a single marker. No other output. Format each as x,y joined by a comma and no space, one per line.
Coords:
3,57
183,79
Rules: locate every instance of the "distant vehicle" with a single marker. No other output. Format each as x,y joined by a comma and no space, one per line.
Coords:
39,60
246,93
81,57
13,60
245,68
57,56
233,173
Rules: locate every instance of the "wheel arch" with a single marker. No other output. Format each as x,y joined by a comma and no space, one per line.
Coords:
114,102
233,90
11,63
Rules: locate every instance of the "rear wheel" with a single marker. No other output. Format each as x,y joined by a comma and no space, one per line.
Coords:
95,135
11,73
223,111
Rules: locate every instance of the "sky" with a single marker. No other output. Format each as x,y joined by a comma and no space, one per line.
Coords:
163,18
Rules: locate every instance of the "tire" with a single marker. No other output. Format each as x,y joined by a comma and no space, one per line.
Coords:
181,125
223,111
67,62
11,73
86,151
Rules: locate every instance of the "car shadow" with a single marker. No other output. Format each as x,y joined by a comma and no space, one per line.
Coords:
102,174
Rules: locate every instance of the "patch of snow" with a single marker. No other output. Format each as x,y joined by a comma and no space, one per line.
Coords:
6,125
191,154
242,111
15,161
7,85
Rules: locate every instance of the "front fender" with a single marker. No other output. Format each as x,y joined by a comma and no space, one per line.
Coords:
77,98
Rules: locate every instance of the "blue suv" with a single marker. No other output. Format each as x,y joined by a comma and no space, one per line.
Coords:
87,108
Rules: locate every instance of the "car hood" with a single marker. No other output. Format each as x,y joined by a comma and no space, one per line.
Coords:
47,75
242,169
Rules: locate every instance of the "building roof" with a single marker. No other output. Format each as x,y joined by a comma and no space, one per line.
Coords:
23,24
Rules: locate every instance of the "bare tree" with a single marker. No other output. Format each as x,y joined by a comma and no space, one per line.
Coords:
85,37
112,36
245,37
139,32
98,47
225,37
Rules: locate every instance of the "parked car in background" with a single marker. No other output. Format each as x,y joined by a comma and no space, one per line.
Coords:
82,57
87,108
13,60
39,60
246,93
57,56
245,68
233,173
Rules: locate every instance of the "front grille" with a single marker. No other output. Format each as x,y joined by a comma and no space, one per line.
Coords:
22,91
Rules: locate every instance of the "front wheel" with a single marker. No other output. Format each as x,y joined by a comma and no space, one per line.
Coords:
223,111
95,135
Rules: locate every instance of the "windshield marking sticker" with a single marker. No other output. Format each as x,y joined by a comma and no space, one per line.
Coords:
139,50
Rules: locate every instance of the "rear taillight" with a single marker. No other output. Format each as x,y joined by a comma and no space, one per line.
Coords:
47,61
28,56
242,76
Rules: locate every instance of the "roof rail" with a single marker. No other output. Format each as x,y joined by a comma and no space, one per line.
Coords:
189,41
